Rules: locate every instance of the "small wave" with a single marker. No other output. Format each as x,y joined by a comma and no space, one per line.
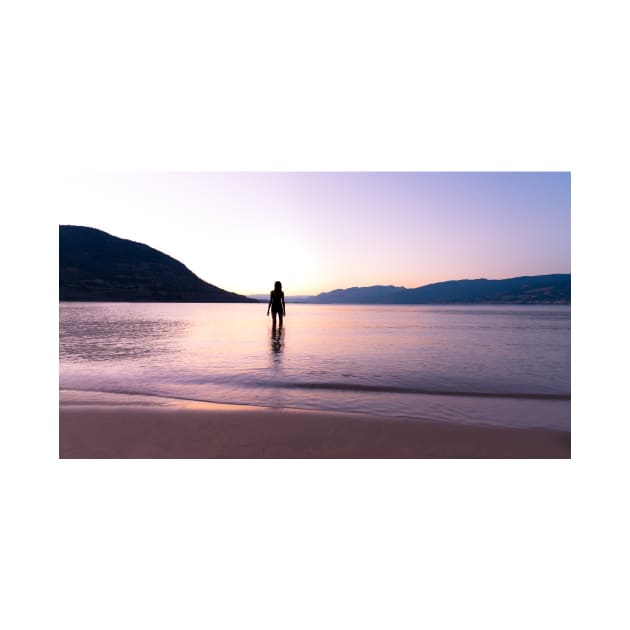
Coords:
393,389
343,387
144,394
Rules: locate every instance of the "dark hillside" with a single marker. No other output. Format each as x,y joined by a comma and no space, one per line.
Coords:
96,266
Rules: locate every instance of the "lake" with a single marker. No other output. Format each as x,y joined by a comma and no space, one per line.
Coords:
503,365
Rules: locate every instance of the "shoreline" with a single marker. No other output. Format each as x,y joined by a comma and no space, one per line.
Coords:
119,426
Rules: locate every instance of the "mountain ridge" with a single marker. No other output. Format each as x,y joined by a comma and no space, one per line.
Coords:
541,289
97,266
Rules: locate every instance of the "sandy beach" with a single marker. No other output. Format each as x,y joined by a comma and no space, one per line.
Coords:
116,426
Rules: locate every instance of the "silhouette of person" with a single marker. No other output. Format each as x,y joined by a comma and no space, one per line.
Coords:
276,303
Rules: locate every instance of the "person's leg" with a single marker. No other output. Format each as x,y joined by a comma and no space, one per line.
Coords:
273,317
280,316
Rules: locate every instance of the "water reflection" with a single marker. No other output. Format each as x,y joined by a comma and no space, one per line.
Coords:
95,335
277,343
277,398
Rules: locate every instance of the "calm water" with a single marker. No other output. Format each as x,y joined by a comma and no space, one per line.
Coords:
507,365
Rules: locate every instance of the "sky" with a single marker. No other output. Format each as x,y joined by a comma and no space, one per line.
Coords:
322,231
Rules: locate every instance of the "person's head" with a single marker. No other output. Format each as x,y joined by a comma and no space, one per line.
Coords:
277,285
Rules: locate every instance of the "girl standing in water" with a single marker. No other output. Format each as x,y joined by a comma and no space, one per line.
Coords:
276,303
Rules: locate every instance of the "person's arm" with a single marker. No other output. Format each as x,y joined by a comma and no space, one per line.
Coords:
269,305
284,308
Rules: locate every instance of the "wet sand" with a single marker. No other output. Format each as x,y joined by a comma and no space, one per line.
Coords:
112,426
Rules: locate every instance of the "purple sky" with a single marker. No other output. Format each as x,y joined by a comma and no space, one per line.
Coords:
321,231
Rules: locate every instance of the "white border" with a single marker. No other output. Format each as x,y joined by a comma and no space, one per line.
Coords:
340,86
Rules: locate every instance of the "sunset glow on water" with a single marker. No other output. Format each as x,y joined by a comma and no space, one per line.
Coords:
506,365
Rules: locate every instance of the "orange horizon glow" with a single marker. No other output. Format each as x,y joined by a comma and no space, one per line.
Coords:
316,232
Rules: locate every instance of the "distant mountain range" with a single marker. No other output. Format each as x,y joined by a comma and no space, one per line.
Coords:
548,289
96,266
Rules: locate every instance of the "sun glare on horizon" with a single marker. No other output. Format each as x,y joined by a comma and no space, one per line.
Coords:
322,231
